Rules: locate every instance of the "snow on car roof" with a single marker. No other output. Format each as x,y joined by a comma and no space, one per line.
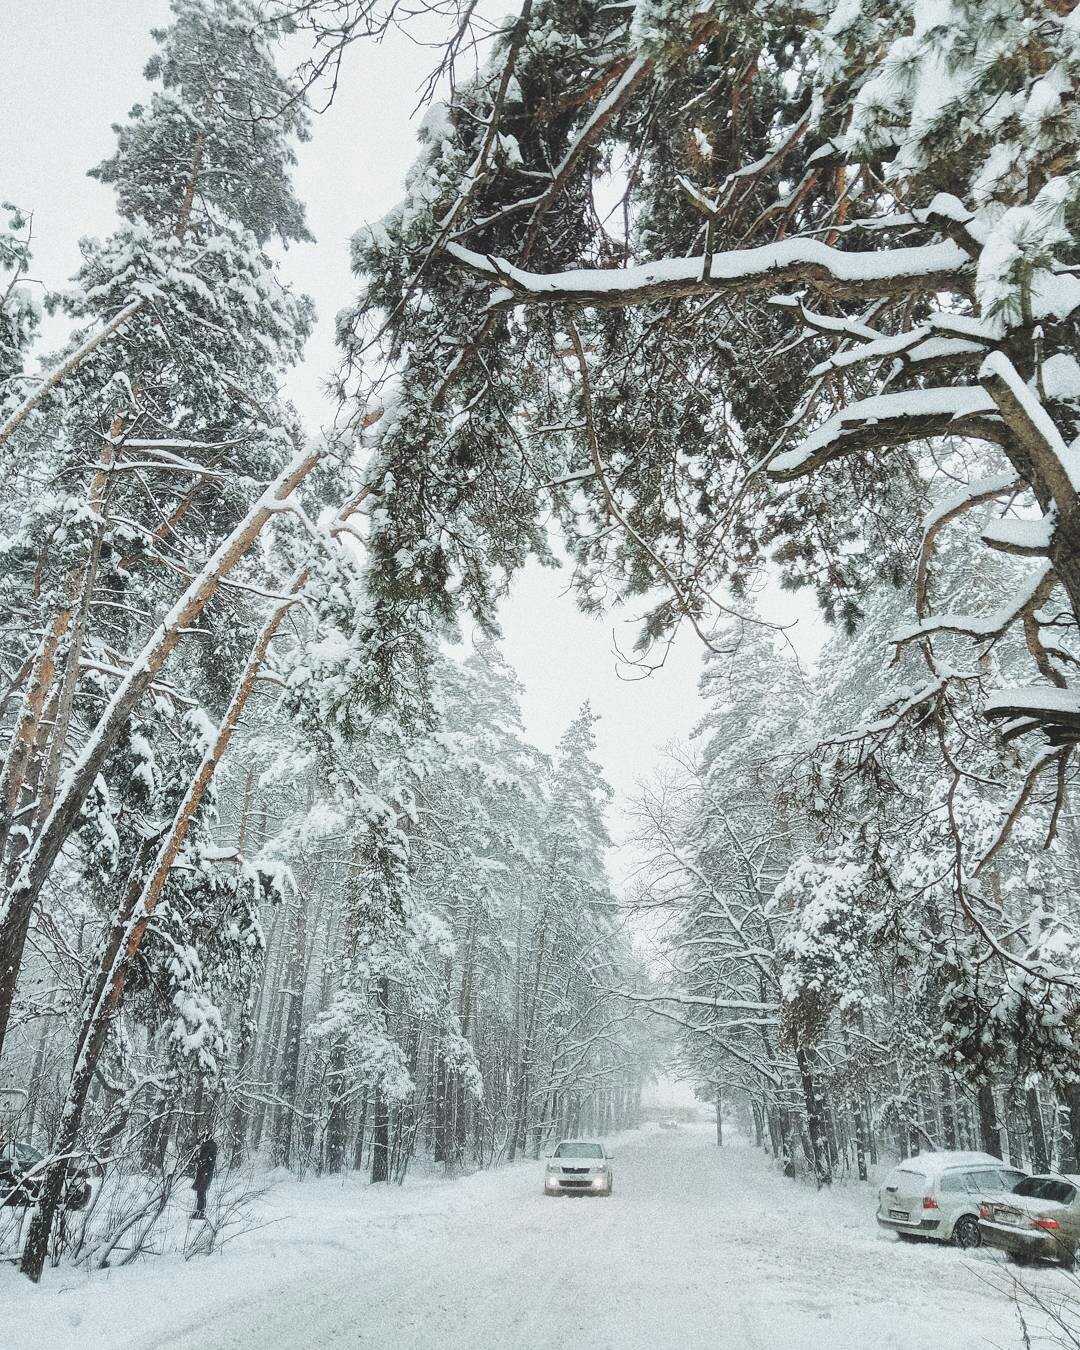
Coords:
921,1162
580,1141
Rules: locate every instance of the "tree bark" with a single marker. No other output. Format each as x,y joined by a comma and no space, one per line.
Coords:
814,1121
1070,1156
337,1119
361,1125
989,1128
295,978
30,730
860,1141
948,1115
1040,1154
68,366
380,1133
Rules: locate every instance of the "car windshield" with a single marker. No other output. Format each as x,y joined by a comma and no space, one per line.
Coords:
576,1150
1045,1188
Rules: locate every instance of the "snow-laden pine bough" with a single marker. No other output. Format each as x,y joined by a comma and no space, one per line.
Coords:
1001,409
945,313
913,392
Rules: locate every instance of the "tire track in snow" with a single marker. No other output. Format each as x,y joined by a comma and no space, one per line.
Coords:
698,1249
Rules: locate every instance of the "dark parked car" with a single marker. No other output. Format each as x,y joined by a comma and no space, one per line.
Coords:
1038,1220
22,1172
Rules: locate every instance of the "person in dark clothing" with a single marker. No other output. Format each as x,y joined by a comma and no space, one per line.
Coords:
205,1162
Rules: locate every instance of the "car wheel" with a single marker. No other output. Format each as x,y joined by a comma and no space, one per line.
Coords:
966,1233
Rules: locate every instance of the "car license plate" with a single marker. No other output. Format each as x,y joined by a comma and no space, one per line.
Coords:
902,1214
1007,1218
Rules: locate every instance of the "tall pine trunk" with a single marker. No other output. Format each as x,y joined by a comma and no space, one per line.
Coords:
380,1131
814,1121
989,1128
78,782
295,979
1040,1154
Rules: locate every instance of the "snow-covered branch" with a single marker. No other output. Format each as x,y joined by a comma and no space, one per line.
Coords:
791,262
892,419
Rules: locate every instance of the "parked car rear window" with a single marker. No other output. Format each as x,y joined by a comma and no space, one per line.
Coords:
1010,1177
1046,1188
899,1175
579,1151
951,1182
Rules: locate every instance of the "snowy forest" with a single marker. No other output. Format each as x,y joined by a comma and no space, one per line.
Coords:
718,310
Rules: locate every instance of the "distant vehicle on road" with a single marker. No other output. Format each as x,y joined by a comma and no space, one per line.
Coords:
670,1123
579,1167
938,1195
1038,1220
22,1173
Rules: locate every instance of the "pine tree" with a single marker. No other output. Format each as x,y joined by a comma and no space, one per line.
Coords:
19,311
177,419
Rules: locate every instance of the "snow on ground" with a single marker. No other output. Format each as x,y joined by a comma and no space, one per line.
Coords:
699,1247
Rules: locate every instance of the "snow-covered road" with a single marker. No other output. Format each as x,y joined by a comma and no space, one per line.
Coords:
699,1247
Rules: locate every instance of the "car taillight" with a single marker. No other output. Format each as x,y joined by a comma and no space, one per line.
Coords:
984,1211
929,1202
1048,1224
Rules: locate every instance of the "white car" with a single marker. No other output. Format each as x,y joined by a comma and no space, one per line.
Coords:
937,1195
579,1167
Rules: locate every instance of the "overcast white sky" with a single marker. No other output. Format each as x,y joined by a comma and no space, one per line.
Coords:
67,79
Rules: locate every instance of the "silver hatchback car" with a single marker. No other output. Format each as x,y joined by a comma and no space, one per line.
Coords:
579,1167
938,1195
